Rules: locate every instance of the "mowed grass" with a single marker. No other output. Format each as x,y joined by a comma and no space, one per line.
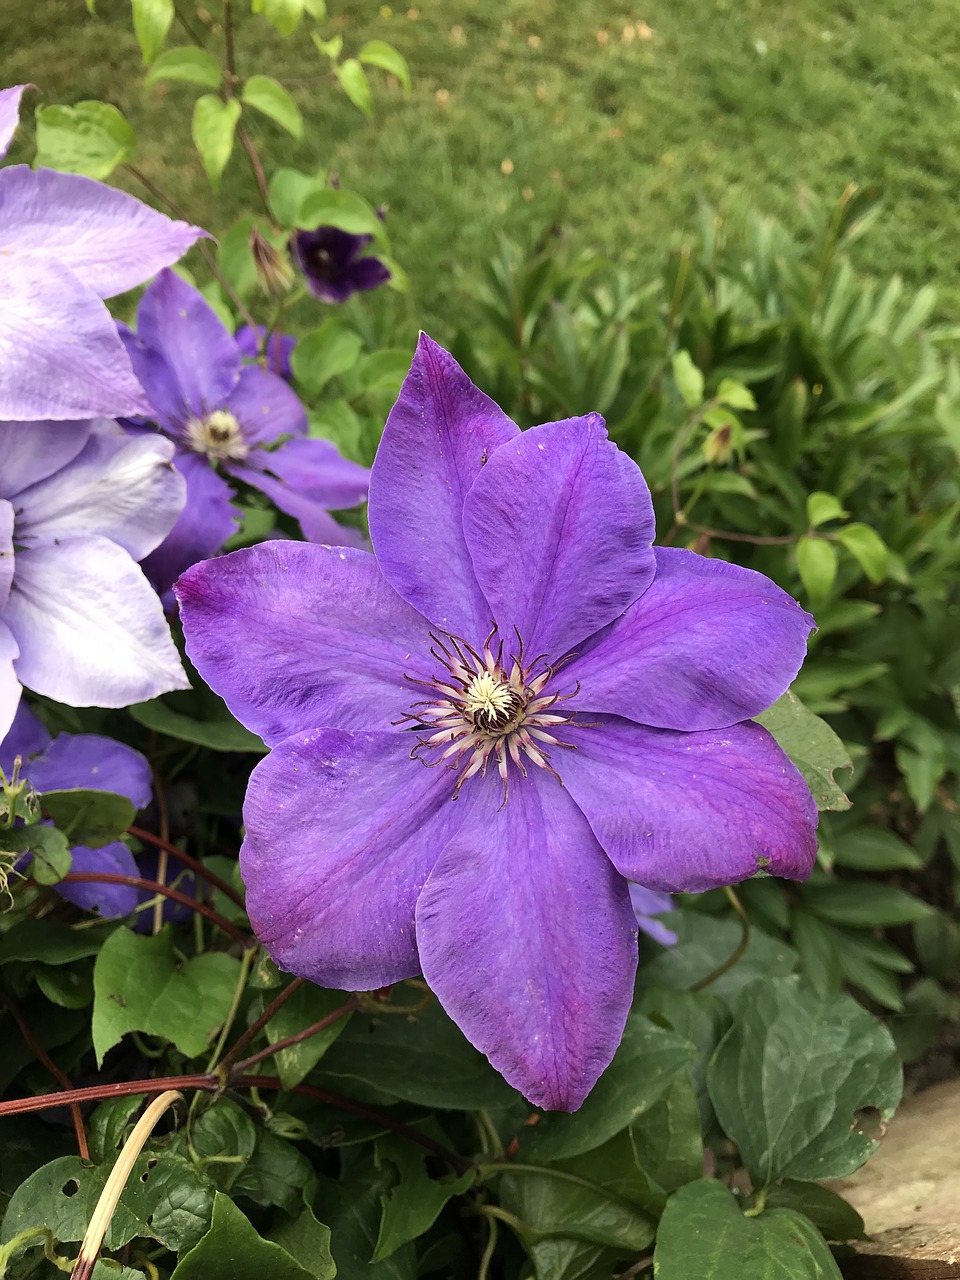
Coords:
605,122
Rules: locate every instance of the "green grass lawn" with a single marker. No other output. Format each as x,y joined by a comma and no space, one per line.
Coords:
604,120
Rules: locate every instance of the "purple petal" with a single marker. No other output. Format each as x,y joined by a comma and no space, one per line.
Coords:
559,527
183,355
32,451
109,900
27,737
62,355
342,831
203,526
88,761
648,903
293,636
707,645
438,435
110,241
171,911
527,937
10,114
279,348
6,542
9,684
318,470
691,811
331,264
265,407
315,520
120,486
90,629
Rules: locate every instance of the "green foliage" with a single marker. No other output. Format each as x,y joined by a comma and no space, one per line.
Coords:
214,125
91,138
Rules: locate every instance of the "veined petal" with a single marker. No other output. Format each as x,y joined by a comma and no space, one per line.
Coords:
691,811
93,763
342,831
10,114
437,438
108,900
294,636
9,684
120,486
203,526
6,543
60,353
109,240
707,645
32,451
90,628
528,939
560,526
265,406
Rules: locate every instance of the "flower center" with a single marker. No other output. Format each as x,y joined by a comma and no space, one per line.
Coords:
219,435
482,709
322,264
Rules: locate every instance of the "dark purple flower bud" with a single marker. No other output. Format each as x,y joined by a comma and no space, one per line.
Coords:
333,264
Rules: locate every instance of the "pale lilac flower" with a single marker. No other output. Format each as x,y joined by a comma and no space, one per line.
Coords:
87,761
647,905
586,701
80,504
333,263
230,418
67,242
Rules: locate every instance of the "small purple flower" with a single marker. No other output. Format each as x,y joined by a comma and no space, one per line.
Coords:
333,264
80,504
93,763
225,416
647,905
587,698
67,242
278,352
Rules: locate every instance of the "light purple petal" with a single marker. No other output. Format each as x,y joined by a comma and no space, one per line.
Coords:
185,358
265,407
647,904
317,524
527,937
32,451
317,469
6,542
437,438
560,526
110,240
108,900
707,645
90,762
342,830
27,736
691,811
60,353
90,628
203,526
294,636
10,114
9,684
120,486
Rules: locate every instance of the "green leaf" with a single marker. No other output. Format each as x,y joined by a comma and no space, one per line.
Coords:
211,724
331,48
413,1203
833,1216
196,66
49,848
108,1125
330,207
822,507
864,903
354,82
689,379
377,53
812,746
668,1145
791,1076
307,1240
151,22
91,138
91,818
214,123
643,1068
276,1174
874,849
735,394
817,566
703,1233
352,1208
267,95
284,15
51,942
819,955
703,944
139,985
69,986
308,1005
223,1137
233,1250
324,353
868,548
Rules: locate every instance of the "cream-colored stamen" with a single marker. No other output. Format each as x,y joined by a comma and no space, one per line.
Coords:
219,435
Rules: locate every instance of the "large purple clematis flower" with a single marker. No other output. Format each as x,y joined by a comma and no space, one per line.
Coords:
93,763
333,263
67,242
80,504
586,701
226,416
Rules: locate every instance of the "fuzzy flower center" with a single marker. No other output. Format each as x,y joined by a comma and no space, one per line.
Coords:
219,435
482,709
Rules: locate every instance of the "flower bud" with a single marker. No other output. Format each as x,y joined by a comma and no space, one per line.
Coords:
274,272
717,446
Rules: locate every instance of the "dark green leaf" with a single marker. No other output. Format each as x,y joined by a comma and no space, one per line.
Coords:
107,1126
703,944
48,846
276,1173
414,1201
233,1250
352,1210
306,1006
223,1137
864,903
307,1240
668,1145
812,746
215,728
51,942
91,818
833,1216
874,849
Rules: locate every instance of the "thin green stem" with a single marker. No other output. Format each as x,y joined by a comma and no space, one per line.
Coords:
493,1170
233,1053
246,962
741,946
489,1248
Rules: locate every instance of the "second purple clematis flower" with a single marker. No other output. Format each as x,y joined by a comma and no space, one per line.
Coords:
334,265
583,702
228,418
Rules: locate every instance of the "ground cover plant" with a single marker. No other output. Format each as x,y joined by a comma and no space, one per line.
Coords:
456,883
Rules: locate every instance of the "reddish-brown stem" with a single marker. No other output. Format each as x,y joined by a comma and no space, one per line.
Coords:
259,176
149,838
136,882
38,1051
99,1092
233,1053
348,1006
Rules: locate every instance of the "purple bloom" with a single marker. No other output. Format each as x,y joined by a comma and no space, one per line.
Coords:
226,416
590,698
90,762
647,905
80,504
278,352
67,242
333,264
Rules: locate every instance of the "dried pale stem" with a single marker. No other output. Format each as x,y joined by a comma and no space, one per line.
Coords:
160,843
233,1053
162,849
37,1049
137,882
740,948
113,1188
346,1008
